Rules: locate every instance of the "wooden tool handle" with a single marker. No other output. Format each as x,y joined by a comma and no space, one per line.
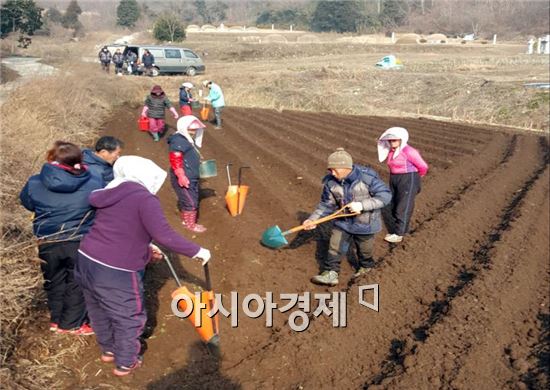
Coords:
337,214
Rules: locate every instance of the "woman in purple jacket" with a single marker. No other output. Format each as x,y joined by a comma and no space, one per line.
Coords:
114,254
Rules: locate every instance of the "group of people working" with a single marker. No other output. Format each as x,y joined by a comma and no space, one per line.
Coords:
156,103
96,215
126,63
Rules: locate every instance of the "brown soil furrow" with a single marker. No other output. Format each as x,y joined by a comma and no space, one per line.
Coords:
478,215
299,160
482,261
351,141
480,327
423,127
353,128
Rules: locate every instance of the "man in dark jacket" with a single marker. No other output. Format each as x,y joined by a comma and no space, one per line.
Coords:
364,193
118,60
105,58
100,162
148,61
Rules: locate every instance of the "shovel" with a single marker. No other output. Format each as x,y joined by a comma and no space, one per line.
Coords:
274,238
208,328
235,196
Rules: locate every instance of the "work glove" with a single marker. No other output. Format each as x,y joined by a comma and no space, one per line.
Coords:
308,224
183,181
203,255
355,207
144,111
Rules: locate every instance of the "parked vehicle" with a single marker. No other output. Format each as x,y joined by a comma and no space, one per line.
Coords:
169,59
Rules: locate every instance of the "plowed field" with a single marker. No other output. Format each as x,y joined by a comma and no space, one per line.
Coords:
463,300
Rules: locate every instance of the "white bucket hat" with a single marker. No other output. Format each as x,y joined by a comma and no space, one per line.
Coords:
187,85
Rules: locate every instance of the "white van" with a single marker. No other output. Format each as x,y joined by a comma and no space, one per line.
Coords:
169,59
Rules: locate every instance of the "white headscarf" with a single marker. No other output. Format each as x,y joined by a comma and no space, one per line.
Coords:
384,144
191,122
138,170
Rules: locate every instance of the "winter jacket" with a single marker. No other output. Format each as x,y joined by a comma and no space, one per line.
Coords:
148,61
131,57
118,58
216,96
59,201
97,166
191,157
157,105
184,97
362,185
128,217
407,161
105,56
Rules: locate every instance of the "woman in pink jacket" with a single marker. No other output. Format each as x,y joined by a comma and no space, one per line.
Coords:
406,168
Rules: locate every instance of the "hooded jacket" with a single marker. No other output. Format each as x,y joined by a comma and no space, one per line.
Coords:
97,166
216,96
129,216
405,158
59,200
362,185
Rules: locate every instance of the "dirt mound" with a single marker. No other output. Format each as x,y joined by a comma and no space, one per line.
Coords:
408,39
436,38
193,28
274,38
454,310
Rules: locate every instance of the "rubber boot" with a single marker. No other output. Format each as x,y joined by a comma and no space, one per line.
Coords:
156,137
190,218
182,216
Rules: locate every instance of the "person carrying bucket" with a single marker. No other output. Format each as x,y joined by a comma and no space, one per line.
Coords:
216,99
185,163
155,104
365,193
186,99
406,168
113,256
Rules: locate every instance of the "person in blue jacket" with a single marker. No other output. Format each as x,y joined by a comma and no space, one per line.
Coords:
58,197
365,194
216,99
100,161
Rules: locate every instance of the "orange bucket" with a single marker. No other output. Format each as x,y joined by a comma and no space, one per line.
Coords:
143,123
204,113
235,199
205,326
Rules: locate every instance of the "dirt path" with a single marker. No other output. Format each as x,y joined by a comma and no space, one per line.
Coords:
463,301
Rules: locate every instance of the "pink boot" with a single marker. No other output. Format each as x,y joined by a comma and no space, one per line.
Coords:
190,221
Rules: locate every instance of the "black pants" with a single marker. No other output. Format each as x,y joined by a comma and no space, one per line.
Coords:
339,246
65,298
404,188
